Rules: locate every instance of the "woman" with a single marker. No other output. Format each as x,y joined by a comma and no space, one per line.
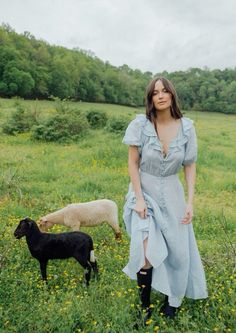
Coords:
163,249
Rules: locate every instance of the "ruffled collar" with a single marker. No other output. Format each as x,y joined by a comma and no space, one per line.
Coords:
149,130
180,139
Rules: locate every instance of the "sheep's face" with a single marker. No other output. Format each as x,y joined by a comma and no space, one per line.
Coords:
23,228
44,225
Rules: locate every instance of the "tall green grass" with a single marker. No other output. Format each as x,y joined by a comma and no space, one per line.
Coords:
37,178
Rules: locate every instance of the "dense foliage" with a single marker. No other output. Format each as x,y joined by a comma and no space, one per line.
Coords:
62,127
117,124
32,68
97,119
21,120
65,123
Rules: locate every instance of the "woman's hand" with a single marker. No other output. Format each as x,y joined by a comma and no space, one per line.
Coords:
188,214
141,208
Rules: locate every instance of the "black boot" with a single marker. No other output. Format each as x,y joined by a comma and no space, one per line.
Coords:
144,279
162,309
168,310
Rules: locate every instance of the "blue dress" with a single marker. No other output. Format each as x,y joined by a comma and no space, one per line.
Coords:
172,248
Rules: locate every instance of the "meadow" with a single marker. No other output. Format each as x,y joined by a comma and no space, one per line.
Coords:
39,177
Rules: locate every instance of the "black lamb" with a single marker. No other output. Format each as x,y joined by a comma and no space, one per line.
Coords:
45,246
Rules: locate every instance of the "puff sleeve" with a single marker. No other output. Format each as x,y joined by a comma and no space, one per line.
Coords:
191,147
133,133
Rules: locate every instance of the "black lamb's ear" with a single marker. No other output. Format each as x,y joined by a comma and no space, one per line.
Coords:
26,219
29,221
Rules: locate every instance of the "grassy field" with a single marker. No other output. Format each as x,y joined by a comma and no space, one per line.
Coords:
37,178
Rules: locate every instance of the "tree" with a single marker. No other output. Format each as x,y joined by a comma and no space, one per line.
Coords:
18,81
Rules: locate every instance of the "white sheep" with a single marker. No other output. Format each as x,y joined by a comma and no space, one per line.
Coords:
87,214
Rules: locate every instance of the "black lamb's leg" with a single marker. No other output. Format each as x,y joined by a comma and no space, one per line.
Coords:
87,274
95,268
43,268
80,257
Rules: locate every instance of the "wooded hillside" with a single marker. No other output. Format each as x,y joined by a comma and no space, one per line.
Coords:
31,68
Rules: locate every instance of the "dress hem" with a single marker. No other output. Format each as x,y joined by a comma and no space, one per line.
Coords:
164,291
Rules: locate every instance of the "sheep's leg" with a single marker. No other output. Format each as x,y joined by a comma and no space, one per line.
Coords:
116,228
87,274
118,235
87,266
95,268
43,268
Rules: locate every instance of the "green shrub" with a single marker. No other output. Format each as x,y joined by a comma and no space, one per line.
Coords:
62,127
62,106
97,119
20,121
117,124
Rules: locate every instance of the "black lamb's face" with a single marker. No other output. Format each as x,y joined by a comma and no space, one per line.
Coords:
23,228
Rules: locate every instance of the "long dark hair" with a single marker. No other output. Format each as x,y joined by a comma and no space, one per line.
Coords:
151,112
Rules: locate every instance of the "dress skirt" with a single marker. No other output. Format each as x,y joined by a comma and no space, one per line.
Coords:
172,249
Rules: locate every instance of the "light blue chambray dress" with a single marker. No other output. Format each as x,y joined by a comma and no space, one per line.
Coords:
172,248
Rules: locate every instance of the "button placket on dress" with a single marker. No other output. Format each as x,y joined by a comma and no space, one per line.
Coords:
163,188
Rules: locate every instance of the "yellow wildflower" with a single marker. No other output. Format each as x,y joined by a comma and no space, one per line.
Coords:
148,322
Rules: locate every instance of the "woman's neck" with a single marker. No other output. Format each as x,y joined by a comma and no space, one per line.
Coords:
164,116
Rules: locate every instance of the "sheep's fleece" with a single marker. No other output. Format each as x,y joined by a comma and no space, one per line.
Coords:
85,214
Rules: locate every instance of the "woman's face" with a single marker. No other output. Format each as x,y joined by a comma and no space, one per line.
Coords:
161,97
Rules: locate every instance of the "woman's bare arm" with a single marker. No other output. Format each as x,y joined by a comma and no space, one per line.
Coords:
190,178
133,167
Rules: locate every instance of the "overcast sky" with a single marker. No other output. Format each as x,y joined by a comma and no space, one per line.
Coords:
151,35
